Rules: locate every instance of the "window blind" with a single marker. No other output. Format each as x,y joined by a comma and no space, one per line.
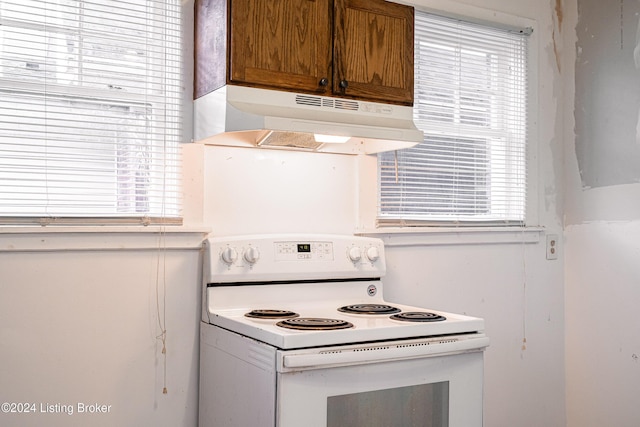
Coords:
90,115
470,101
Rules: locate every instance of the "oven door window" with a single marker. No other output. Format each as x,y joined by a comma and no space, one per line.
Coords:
424,405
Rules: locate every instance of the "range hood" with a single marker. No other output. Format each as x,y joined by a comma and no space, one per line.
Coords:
251,117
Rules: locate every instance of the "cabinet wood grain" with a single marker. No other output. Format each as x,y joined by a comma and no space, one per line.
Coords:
357,49
373,50
283,44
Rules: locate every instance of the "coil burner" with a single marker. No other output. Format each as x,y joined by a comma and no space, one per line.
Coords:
271,314
418,316
314,323
369,309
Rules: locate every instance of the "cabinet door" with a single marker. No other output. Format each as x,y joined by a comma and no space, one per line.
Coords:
284,44
373,51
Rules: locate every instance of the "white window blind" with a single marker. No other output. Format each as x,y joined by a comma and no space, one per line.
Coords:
470,101
90,115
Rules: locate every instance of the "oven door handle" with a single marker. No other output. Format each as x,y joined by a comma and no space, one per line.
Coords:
383,353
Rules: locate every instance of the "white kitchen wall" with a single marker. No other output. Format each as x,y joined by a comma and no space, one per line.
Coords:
250,190
603,328
79,326
519,294
602,235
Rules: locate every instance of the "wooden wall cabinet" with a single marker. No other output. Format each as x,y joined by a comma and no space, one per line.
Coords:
358,49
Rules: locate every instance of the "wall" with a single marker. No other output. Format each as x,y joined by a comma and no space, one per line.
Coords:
607,94
519,294
602,214
603,349
80,314
260,190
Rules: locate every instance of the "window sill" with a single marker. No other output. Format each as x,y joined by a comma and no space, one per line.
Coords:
424,236
31,239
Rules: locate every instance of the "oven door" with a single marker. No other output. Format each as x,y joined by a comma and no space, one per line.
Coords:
435,389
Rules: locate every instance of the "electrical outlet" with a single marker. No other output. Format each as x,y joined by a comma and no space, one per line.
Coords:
552,246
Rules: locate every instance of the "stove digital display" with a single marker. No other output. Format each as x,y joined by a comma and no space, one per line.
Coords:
304,248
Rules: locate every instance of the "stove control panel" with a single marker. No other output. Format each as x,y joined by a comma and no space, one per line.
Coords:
293,257
294,251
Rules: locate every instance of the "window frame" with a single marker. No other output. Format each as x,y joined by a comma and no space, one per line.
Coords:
451,232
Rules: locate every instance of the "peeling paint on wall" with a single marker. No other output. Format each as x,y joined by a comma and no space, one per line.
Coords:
607,100
557,29
636,60
559,13
636,50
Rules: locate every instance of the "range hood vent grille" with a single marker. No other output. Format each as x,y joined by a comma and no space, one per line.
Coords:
324,102
312,101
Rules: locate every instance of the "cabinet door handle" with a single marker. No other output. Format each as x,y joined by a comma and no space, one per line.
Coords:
344,84
323,82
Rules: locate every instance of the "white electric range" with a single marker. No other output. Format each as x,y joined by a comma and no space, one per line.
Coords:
296,331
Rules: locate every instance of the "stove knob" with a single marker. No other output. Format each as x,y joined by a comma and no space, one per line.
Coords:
373,254
251,255
355,254
229,255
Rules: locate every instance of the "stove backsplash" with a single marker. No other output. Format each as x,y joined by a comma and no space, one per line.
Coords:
250,191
